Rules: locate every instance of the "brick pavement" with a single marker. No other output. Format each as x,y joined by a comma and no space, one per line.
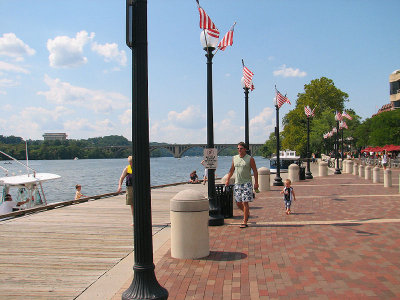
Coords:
341,241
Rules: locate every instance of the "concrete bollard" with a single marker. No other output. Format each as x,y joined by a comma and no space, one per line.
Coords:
387,178
340,164
344,164
349,166
361,171
189,225
355,169
375,175
368,170
323,168
294,173
264,179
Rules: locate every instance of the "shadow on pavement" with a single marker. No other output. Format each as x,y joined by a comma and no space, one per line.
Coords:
225,256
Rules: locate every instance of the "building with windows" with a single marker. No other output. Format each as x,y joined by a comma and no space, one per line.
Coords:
55,136
394,81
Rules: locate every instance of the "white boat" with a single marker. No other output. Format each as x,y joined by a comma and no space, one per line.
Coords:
29,189
286,158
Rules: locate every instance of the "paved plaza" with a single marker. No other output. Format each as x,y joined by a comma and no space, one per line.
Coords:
340,242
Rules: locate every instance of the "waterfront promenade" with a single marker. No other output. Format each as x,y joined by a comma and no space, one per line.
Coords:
340,242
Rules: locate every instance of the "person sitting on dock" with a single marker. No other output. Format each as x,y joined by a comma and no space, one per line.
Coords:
127,173
78,193
194,178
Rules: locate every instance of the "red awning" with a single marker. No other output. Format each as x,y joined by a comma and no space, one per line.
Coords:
391,148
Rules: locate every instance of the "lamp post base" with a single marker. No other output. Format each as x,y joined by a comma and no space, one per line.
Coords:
145,285
337,171
309,175
278,181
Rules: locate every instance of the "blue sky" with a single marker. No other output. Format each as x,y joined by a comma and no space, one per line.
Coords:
64,65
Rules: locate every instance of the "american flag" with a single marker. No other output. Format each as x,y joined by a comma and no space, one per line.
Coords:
346,115
338,116
248,77
228,39
280,99
309,112
343,124
206,23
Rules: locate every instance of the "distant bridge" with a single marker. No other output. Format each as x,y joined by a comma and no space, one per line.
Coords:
177,150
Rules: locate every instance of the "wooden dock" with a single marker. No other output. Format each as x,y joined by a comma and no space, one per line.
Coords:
69,252
61,252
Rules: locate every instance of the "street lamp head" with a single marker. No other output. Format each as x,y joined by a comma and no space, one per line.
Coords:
207,40
243,83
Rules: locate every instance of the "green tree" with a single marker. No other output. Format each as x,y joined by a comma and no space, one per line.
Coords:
380,130
324,96
270,146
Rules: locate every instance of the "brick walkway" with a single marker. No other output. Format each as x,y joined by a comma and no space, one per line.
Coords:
341,241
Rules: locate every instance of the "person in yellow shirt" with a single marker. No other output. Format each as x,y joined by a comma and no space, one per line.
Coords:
78,193
127,173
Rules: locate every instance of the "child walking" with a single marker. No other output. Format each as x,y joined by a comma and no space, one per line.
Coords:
288,195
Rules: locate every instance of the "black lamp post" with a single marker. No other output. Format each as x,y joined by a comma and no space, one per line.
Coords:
278,179
246,116
342,127
308,173
144,284
209,44
337,170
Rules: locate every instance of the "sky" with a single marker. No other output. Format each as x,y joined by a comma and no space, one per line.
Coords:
65,67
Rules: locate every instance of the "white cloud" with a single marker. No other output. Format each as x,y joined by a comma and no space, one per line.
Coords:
81,128
289,72
67,52
126,117
190,118
7,67
110,53
12,46
8,82
64,93
262,125
36,120
228,130
180,127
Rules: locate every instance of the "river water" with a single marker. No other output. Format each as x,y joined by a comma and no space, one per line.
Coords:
100,176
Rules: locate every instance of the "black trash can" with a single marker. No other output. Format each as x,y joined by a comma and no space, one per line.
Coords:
302,173
224,195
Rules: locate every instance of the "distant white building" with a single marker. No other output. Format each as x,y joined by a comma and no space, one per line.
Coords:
394,81
55,136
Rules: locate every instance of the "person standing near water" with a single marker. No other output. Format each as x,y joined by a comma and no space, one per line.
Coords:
242,164
127,173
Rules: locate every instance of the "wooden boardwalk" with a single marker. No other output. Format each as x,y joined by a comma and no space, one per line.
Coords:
60,253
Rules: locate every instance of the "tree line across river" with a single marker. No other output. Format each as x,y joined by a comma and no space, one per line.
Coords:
92,148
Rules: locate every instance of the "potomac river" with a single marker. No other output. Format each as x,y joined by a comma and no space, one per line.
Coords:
100,176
